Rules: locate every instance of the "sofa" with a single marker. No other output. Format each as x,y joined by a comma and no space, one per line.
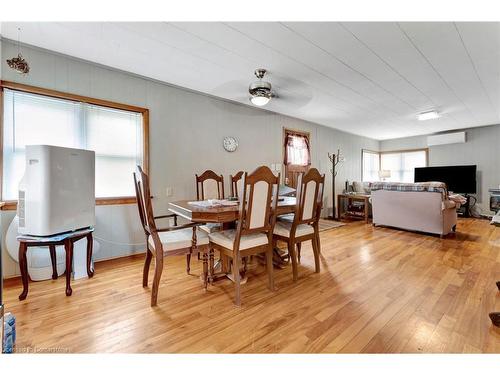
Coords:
423,207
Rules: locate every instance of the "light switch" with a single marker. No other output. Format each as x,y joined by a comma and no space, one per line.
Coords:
169,191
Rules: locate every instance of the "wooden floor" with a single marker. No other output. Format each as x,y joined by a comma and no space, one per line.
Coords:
380,290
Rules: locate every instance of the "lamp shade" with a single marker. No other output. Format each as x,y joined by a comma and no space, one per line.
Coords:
385,173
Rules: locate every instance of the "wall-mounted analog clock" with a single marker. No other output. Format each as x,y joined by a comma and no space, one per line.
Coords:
230,144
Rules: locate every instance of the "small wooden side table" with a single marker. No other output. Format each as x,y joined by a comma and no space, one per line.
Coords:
354,197
65,239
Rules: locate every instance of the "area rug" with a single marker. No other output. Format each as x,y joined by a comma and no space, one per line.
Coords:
325,224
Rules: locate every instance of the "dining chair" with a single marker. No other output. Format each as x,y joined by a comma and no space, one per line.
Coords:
236,183
161,242
254,232
209,185
304,225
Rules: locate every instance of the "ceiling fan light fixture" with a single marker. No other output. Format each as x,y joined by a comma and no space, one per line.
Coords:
260,91
260,100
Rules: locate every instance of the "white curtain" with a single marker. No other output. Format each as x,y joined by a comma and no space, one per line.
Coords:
371,166
297,150
402,164
116,138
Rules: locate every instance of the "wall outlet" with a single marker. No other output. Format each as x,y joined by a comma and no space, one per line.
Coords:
169,191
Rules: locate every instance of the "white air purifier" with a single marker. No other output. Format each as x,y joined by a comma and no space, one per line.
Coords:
57,192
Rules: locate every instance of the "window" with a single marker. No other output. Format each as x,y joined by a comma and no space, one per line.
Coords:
297,150
296,155
371,165
402,164
116,136
398,166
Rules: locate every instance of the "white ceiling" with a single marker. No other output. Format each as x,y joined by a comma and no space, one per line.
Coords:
365,78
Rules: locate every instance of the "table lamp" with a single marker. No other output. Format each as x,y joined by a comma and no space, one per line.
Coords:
383,174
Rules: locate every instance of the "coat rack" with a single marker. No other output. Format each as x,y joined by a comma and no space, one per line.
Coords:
335,159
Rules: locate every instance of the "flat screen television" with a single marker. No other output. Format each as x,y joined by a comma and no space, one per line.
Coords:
458,178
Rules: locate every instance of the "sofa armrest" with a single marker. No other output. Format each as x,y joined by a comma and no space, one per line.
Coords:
447,204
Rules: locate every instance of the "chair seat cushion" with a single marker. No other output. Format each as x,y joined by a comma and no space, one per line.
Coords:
282,228
225,238
179,239
211,227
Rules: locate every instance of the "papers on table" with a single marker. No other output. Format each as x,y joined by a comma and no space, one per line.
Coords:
213,203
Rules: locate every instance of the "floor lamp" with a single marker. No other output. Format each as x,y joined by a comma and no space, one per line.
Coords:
335,159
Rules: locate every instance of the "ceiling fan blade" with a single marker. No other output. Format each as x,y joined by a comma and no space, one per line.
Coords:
231,89
289,98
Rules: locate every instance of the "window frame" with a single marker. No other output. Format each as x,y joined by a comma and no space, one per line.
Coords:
12,205
426,149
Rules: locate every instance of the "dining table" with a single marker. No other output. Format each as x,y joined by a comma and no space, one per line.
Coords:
227,215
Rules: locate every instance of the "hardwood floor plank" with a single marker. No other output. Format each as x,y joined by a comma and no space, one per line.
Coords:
380,290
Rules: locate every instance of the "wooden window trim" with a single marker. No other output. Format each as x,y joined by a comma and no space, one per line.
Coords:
12,205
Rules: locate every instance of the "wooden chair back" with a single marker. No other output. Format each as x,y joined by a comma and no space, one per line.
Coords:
309,197
209,185
258,203
236,183
143,194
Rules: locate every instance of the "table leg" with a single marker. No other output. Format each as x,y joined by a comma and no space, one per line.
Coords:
211,266
205,269
90,244
23,265
68,247
366,210
339,207
224,263
53,259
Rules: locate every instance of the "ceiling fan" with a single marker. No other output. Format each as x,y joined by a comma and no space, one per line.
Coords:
285,91
260,91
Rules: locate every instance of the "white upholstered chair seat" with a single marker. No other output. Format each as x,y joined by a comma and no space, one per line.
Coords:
282,228
225,238
179,239
211,227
